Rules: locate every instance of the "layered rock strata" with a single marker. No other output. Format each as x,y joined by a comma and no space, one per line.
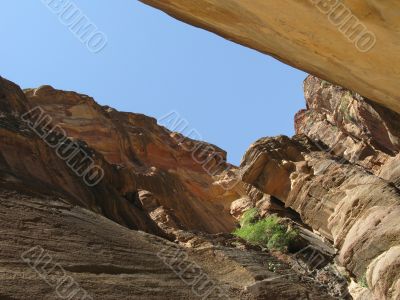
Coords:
133,152
337,181
53,249
335,173
65,235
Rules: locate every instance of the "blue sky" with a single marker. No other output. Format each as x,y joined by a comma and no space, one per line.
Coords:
153,64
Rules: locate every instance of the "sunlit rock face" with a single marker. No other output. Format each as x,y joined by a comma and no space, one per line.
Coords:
94,234
340,173
349,124
354,43
338,176
134,152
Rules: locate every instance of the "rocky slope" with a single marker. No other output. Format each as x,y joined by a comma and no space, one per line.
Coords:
52,249
81,183
354,43
340,173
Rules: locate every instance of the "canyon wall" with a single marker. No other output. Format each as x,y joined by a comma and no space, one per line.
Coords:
66,234
340,173
354,43
341,170
151,209
338,177
138,157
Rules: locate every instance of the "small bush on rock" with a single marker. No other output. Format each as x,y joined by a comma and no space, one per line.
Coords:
268,232
363,281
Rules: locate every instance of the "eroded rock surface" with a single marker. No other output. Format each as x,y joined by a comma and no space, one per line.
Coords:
134,152
95,233
323,38
336,181
335,174
104,260
351,126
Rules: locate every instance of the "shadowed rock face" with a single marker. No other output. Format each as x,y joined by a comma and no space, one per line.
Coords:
312,36
108,261
340,173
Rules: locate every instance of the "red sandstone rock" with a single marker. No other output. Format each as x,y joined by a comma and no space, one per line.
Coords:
340,174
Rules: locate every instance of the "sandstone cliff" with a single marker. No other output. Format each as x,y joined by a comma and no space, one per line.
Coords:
70,235
354,43
340,173
336,180
134,151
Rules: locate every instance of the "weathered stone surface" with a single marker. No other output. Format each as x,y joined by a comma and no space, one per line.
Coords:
24,157
339,176
301,33
239,206
346,204
135,152
336,173
109,261
269,205
390,170
150,184
348,124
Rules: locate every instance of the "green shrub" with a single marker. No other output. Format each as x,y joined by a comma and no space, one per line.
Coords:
268,232
363,281
249,217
